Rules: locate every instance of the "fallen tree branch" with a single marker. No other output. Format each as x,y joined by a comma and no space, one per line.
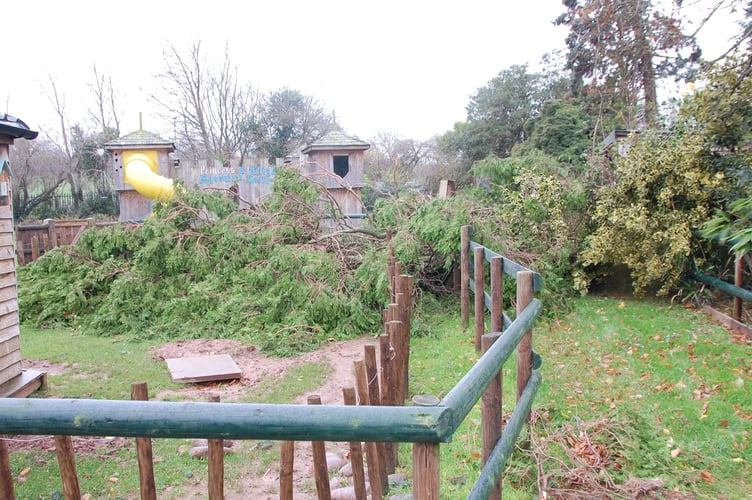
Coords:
369,232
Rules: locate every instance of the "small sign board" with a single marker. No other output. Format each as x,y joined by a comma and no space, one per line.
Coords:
203,368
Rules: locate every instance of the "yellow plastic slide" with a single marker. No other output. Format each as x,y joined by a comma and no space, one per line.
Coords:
139,171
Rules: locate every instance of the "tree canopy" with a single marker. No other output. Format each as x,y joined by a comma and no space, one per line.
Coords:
619,49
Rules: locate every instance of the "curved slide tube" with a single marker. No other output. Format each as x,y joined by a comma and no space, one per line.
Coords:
139,174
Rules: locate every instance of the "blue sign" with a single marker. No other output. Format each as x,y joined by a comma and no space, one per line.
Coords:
250,175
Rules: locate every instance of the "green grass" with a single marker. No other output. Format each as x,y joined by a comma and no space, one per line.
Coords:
661,391
285,388
641,378
95,367
672,373
104,368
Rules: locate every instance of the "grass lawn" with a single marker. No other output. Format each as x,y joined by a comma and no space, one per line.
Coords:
637,396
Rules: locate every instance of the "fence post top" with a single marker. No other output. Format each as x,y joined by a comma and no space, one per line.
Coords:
425,400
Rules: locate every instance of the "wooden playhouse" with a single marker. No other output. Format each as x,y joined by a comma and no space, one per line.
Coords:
14,380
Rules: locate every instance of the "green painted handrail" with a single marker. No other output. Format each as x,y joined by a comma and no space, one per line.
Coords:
158,419
735,291
491,472
487,299
468,391
510,267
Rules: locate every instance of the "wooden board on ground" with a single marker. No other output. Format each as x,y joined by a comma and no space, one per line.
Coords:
729,322
203,368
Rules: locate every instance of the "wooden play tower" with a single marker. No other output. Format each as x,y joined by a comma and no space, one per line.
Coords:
14,380
142,171
337,161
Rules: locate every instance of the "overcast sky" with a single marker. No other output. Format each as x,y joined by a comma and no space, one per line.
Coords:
408,67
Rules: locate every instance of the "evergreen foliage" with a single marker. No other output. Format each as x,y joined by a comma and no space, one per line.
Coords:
647,217
201,268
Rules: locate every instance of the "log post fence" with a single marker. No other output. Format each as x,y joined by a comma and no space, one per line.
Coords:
426,423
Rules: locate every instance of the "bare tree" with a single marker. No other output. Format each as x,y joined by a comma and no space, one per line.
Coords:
105,111
437,164
392,160
68,158
214,114
37,173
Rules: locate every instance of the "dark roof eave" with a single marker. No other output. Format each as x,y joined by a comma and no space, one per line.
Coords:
112,145
17,132
334,147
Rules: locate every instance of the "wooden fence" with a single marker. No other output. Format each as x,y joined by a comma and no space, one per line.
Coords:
426,423
735,321
33,240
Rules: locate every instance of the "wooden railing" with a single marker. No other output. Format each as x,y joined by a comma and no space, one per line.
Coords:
426,424
735,321
33,240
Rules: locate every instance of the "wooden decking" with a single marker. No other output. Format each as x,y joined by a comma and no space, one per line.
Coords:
24,384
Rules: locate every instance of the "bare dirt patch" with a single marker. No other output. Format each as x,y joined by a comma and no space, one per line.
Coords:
45,366
255,367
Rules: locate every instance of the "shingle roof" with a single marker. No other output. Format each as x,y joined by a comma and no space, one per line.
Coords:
140,139
15,128
336,140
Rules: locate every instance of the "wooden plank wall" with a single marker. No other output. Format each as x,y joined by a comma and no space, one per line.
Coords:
33,240
10,340
134,206
348,201
320,161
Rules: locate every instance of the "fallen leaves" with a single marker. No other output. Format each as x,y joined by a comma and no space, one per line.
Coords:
593,454
741,413
704,412
703,391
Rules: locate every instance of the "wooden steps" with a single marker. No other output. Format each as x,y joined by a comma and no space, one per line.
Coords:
23,385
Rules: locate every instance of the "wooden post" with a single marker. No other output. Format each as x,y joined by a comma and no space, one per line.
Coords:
480,298
397,372
34,248
372,455
51,232
140,392
446,189
739,282
387,394
216,463
405,310
525,347
393,285
20,252
426,471
356,453
465,275
287,461
374,398
426,468
320,469
67,462
491,412
385,356
390,270
372,372
497,295
6,475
